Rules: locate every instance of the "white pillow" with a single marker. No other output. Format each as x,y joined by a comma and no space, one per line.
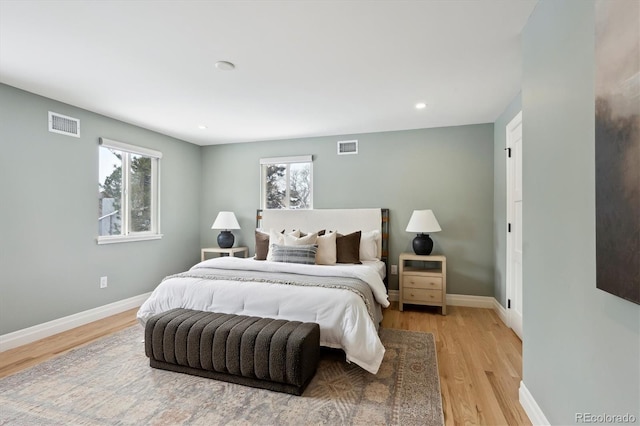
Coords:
369,242
293,240
327,254
276,237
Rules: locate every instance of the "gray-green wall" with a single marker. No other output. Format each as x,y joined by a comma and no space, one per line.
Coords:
448,170
50,264
500,198
581,349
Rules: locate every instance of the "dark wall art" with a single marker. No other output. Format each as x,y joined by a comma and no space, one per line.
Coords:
617,147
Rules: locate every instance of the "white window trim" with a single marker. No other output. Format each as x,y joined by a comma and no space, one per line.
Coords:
155,233
287,160
284,160
133,149
139,236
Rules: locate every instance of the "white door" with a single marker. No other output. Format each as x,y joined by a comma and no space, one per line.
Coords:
514,225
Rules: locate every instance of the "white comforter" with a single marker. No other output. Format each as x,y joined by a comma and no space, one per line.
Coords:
342,315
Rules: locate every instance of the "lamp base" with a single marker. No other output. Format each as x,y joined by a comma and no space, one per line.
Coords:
226,239
422,245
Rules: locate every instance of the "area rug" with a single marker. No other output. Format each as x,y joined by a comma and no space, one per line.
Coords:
109,382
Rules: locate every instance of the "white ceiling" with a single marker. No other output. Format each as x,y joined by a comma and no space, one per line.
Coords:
303,68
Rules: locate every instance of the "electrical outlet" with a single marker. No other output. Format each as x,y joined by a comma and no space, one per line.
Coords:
394,269
103,282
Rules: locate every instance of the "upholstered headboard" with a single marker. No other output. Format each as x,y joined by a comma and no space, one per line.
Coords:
344,221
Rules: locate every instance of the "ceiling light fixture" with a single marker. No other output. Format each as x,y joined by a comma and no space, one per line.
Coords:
225,65
202,127
421,105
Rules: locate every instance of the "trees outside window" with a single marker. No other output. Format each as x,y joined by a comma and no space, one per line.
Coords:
287,183
128,188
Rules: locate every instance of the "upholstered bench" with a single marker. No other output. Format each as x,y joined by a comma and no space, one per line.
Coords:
278,355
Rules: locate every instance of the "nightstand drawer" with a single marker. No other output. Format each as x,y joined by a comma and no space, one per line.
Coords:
420,281
421,295
423,280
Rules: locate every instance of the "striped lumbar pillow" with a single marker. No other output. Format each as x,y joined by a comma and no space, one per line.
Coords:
305,254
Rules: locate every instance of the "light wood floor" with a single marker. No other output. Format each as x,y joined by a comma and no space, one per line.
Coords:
22,357
479,358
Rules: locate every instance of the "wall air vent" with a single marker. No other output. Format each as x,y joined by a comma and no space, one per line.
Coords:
64,125
347,147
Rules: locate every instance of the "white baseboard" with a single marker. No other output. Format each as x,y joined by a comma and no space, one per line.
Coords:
470,301
394,295
467,300
40,331
531,407
501,311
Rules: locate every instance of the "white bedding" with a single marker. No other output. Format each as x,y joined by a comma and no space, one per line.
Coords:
342,314
378,265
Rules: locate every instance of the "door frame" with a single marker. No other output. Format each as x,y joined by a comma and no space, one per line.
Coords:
510,175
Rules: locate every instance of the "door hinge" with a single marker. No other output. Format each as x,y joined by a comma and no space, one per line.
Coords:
508,152
508,227
508,303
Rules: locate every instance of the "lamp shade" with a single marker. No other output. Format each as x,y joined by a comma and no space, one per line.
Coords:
423,222
226,220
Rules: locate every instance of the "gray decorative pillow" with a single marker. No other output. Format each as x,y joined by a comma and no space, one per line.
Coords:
305,254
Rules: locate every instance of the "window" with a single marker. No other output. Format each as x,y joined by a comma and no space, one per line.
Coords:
286,182
128,192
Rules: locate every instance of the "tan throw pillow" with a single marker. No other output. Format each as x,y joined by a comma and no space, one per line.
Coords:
321,232
348,248
278,238
327,254
292,240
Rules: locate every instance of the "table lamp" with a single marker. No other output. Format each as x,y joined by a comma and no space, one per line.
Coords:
423,222
225,221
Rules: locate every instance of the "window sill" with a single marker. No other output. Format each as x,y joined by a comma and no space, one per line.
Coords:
127,238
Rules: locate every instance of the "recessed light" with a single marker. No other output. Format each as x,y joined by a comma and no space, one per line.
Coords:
421,105
225,65
202,127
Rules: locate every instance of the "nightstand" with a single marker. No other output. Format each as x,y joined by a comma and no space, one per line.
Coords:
423,280
221,251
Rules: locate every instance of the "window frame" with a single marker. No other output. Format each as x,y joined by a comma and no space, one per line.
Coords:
306,159
127,235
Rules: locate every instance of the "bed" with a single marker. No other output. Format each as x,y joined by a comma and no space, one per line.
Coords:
345,299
